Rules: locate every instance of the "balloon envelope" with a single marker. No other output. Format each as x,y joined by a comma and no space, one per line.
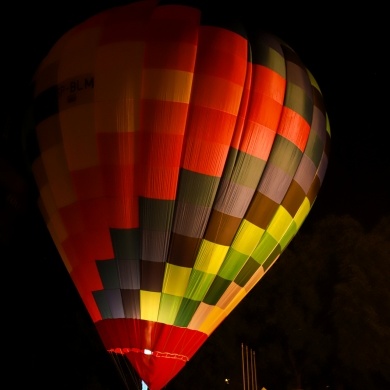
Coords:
176,158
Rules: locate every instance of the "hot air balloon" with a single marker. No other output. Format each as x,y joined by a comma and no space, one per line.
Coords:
175,157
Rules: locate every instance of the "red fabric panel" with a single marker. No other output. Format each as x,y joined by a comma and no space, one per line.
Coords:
83,288
164,150
164,116
222,53
118,155
89,246
263,113
71,218
171,347
294,127
183,60
118,28
117,148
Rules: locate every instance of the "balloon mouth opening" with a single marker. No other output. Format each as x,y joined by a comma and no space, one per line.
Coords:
148,352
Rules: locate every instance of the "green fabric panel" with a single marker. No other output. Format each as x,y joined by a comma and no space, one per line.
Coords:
198,285
216,290
232,264
271,258
125,243
267,52
285,155
314,148
108,271
299,90
288,235
265,247
250,267
195,188
297,100
187,309
169,306
247,170
229,163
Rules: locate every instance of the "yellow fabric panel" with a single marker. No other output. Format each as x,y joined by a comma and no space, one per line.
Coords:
210,257
79,136
302,213
119,71
150,303
247,238
175,279
167,85
168,308
279,224
58,176
327,124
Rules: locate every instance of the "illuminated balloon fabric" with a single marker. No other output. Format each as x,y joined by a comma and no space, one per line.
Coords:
177,160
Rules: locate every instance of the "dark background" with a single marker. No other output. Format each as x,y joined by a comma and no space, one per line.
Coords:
48,334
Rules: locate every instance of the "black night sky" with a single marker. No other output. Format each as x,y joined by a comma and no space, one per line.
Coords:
49,340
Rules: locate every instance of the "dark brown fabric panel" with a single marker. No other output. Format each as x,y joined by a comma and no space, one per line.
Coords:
183,250
152,275
131,303
261,211
313,191
294,198
222,228
247,271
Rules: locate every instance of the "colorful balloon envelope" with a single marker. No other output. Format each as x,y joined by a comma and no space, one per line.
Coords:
176,157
